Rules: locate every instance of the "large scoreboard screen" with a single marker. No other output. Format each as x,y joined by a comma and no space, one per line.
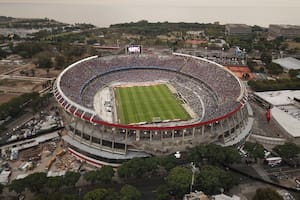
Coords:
134,49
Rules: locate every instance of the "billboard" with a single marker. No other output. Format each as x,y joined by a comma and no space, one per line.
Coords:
134,49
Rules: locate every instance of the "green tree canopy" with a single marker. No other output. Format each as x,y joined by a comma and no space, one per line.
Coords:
214,154
255,150
168,162
274,68
129,192
162,193
60,62
212,179
137,167
270,85
29,49
1,188
103,175
179,179
35,182
266,58
101,194
71,178
266,194
55,182
44,60
287,150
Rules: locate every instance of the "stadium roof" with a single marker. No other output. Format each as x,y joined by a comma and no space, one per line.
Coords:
277,98
288,63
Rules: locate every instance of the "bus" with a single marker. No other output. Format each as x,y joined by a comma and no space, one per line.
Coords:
273,161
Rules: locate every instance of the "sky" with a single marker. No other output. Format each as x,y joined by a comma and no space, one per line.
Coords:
244,3
106,12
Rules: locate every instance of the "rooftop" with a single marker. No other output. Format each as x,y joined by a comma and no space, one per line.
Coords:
286,110
277,98
237,25
285,25
288,63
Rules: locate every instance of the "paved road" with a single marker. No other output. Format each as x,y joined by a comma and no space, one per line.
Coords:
261,126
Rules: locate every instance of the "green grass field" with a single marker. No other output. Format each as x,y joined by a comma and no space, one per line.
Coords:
143,103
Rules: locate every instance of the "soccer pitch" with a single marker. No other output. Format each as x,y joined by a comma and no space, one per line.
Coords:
144,103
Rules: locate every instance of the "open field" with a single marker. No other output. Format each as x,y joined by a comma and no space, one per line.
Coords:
292,45
144,103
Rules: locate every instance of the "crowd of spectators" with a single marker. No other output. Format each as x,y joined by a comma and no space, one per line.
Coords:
194,79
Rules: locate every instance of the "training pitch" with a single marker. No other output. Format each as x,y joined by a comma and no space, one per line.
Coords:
137,104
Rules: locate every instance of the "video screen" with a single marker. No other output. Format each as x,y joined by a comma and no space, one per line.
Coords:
134,49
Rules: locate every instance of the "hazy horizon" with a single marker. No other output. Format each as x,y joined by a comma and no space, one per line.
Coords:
106,12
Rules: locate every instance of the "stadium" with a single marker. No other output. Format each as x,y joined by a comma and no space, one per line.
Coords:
119,107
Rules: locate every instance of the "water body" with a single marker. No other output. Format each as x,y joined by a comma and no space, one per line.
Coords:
118,11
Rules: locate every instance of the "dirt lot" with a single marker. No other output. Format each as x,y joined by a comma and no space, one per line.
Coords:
6,97
293,45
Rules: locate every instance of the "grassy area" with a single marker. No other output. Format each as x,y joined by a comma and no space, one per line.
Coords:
144,103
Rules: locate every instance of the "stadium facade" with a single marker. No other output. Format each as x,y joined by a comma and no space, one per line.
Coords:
94,133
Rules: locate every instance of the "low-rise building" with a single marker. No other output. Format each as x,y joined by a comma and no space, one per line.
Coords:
225,197
285,110
195,196
289,31
237,29
288,63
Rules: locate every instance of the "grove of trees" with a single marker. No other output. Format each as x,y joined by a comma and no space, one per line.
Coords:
127,192
266,194
288,150
273,85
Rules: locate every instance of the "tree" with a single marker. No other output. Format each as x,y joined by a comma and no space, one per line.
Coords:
212,179
29,49
106,174
274,68
71,178
1,188
168,162
293,73
288,150
129,192
214,154
60,62
179,179
36,181
266,58
266,194
101,194
255,150
231,155
3,54
17,185
55,196
55,182
137,167
162,193
103,175
44,61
